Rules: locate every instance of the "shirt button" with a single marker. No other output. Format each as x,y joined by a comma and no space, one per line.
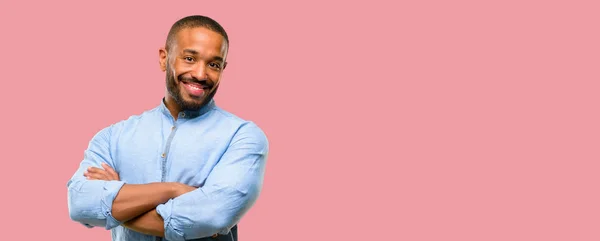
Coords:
173,128
182,114
163,155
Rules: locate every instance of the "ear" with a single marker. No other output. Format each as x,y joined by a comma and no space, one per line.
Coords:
224,65
162,59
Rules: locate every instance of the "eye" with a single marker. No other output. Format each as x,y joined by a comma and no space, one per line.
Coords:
215,65
189,59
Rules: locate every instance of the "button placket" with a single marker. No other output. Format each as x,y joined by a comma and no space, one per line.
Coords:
167,148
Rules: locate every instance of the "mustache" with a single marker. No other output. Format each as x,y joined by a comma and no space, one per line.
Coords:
204,83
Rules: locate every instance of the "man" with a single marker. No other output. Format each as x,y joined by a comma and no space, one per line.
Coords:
185,170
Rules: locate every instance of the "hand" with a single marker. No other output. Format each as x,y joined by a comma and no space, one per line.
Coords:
106,174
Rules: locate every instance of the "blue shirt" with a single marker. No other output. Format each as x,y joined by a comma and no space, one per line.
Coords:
210,148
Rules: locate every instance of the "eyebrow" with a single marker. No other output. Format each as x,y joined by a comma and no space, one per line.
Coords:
218,58
191,51
194,52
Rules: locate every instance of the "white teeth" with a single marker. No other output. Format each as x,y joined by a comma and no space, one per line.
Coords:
194,87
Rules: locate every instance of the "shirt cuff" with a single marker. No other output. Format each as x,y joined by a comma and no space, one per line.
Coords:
171,232
110,191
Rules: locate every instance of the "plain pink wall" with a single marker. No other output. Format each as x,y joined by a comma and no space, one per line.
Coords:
420,120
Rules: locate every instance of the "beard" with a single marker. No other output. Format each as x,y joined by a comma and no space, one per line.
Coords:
175,91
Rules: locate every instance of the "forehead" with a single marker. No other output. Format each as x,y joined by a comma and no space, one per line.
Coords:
202,40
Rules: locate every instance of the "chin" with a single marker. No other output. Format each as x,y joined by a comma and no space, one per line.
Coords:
195,103
192,103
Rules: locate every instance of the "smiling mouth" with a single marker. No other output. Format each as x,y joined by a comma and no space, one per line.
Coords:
195,88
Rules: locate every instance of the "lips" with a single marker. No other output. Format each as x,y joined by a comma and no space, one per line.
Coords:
195,88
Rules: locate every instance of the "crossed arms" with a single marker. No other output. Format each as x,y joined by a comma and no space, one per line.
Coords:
98,198
134,206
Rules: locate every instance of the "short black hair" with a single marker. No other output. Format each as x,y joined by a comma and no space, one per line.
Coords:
195,21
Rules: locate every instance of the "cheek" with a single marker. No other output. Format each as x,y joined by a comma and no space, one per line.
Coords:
178,69
182,72
178,74
214,75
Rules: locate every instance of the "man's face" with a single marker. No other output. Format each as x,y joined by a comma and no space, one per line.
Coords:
193,67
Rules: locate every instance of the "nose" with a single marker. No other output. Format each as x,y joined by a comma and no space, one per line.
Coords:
199,71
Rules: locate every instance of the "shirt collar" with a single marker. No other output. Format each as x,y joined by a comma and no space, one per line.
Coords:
188,114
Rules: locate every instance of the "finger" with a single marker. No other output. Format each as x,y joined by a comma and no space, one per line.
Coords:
111,171
96,176
95,169
98,172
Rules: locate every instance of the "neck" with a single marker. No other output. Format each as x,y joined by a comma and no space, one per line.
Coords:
172,106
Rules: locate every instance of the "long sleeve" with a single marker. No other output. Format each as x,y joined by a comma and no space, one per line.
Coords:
230,190
90,201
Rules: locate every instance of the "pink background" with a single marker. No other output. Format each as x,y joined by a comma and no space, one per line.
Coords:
420,120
